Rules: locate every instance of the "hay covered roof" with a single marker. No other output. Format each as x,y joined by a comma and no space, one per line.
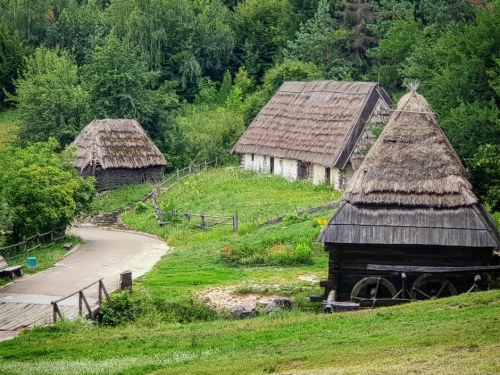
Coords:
116,143
412,163
318,122
411,189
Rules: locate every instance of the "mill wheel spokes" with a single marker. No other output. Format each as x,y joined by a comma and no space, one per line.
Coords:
372,288
430,286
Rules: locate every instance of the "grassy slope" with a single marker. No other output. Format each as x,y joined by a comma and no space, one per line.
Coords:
457,335
193,264
8,127
120,198
449,336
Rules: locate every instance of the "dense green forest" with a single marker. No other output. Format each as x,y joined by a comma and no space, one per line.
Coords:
195,73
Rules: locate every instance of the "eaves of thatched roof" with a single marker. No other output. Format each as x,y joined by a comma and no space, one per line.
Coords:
318,122
116,143
411,189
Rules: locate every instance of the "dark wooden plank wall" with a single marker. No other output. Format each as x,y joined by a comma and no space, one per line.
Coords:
347,264
108,179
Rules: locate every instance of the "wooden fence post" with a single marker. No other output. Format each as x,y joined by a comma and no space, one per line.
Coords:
203,220
235,222
25,244
216,162
187,216
100,293
80,306
177,174
206,166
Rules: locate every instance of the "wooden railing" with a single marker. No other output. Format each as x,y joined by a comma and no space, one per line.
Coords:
206,221
82,300
36,241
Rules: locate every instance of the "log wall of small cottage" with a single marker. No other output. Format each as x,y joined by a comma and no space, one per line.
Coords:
112,178
347,264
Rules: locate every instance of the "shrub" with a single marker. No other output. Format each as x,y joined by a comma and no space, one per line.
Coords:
122,309
185,310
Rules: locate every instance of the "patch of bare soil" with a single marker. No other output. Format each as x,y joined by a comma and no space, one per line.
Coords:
227,298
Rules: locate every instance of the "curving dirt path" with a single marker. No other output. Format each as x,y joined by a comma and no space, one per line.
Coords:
103,254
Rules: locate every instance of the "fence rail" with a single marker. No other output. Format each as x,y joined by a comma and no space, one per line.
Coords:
82,300
206,221
301,212
36,241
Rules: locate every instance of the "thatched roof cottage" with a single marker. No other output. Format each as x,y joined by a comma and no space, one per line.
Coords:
314,130
409,204
118,152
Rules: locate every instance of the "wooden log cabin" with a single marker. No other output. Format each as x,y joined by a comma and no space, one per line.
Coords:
118,152
409,225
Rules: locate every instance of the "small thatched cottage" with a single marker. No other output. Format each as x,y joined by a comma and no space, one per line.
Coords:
408,208
118,152
314,130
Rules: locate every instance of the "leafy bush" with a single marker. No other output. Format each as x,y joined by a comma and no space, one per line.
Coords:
122,309
184,310
128,307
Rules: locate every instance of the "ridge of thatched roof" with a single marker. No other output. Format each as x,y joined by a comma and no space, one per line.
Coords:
412,163
116,143
318,122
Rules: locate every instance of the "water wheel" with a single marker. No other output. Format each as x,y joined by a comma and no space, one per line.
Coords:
429,286
372,287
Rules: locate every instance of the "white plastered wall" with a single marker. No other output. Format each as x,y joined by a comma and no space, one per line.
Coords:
256,165
319,174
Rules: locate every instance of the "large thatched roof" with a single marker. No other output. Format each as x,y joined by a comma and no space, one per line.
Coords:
116,143
318,122
411,189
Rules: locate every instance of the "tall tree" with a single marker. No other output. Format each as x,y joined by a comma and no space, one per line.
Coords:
50,100
262,28
319,42
76,27
12,52
185,40
41,189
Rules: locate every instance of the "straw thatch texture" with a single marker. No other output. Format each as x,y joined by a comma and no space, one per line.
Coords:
317,122
411,190
412,163
116,143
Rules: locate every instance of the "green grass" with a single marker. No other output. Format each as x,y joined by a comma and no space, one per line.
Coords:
195,262
458,335
8,127
120,198
254,197
46,257
174,334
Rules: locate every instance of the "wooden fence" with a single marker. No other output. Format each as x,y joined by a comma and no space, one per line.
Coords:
310,210
36,241
82,299
206,221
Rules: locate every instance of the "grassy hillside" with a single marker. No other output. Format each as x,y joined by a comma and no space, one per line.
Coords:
216,257
120,198
171,332
8,127
458,335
